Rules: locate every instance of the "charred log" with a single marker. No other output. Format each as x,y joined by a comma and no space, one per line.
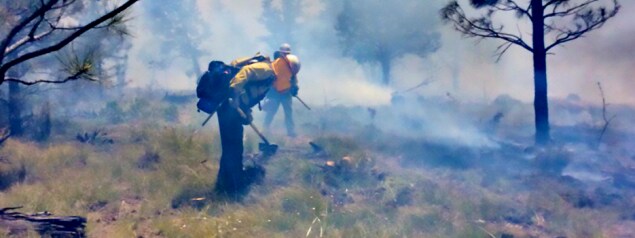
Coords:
43,222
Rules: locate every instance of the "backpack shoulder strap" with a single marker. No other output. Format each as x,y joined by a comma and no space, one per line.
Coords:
286,61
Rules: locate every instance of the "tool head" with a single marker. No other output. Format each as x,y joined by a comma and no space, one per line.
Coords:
316,148
268,149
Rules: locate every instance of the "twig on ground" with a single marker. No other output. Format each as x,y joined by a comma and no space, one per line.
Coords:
488,233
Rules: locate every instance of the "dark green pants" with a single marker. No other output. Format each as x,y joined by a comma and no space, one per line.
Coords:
230,180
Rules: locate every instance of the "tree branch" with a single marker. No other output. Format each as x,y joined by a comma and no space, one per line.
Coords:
76,76
25,40
553,2
587,21
65,41
31,37
36,26
20,26
481,27
501,49
64,5
569,11
74,28
513,6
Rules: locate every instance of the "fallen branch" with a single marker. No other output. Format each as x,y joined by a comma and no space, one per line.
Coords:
488,233
44,223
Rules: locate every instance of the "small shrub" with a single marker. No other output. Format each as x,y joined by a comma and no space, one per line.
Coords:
177,141
338,147
148,160
196,196
171,113
426,223
551,160
140,108
113,112
305,204
94,137
10,174
432,154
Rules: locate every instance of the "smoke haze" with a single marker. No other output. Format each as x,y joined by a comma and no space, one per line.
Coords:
463,67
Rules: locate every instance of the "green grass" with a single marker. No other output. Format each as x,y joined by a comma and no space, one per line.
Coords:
300,195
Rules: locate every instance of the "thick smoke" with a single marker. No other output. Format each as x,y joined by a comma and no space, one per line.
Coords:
236,30
463,70
464,67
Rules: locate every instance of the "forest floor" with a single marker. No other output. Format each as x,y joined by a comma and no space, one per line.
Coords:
143,168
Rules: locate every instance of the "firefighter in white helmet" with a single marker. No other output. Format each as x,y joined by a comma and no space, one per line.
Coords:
283,91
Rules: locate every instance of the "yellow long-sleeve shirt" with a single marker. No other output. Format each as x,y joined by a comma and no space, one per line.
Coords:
252,82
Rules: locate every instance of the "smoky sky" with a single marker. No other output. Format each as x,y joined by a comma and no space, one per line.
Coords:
463,67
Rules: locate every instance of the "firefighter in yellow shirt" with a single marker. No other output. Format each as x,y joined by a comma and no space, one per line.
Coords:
282,94
246,89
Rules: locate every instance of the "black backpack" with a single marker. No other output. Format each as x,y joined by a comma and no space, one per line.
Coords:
213,87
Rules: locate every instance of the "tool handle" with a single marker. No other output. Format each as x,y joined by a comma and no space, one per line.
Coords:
259,134
206,120
243,115
303,103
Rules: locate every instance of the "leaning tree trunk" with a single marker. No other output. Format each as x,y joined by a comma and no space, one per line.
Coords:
541,107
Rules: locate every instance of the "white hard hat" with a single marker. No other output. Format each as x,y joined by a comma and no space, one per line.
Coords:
294,63
285,48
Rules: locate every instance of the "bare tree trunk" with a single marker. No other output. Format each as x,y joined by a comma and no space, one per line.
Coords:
541,107
15,109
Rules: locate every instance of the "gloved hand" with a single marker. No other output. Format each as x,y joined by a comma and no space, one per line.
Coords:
247,119
294,90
